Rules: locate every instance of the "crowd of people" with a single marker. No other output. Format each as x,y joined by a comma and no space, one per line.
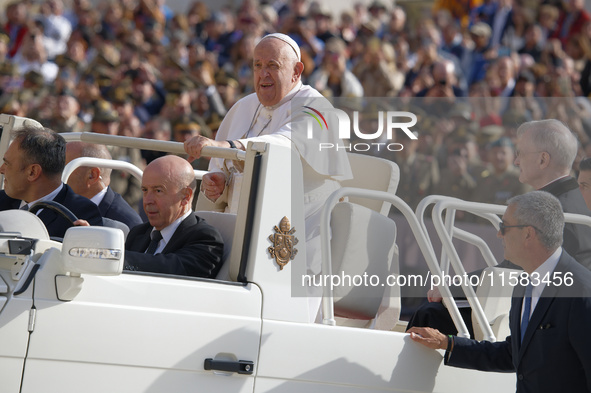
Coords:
137,68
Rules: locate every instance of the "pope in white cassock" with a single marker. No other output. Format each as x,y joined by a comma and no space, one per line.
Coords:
267,115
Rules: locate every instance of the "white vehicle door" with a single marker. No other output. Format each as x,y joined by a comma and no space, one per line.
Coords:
144,333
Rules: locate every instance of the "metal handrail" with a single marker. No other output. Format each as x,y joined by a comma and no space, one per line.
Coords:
422,240
101,163
432,199
152,144
111,164
446,240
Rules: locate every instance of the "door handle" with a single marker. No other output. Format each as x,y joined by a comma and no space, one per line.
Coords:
240,366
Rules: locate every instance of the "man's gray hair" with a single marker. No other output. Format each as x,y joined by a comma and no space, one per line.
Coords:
554,137
543,211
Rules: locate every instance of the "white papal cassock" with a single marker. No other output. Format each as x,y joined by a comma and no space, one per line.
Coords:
248,120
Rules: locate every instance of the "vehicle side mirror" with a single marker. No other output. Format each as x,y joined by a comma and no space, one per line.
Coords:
93,250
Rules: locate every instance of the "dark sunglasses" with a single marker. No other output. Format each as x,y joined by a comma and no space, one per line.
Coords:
503,227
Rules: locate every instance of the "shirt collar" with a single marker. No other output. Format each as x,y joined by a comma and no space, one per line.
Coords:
48,197
98,198
169,230
544,270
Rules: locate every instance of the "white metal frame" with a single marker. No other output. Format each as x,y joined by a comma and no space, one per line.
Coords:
422,240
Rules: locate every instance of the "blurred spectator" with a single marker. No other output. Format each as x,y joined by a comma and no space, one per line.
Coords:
56,28
183,129
525,90
452,40
325,28
348,26
242,64
419,75
302,30
217,37
505,68
10,105
533,42
32,56
65,116
158,128
395,28
458,177
419,173
79,7
501,180
500,21
333,79
445,83
129,124
548,18
513,36
4,41
149,97
16,25
9,77
571,20
377,70
484,13
149,12
476,59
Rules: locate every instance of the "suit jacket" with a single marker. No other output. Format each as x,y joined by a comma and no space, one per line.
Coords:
57,225
577,238
555,355
113,206
195,249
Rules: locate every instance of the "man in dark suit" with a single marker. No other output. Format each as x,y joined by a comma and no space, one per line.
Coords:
550,318
93,183
175,241
546,150
32,169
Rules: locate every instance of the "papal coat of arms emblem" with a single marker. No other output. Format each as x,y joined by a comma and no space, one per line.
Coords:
283,243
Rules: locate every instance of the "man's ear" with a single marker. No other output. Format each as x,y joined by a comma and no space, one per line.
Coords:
33,172
93,176
297,71
544,160
187,195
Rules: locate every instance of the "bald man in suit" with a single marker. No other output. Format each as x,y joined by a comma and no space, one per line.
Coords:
175,240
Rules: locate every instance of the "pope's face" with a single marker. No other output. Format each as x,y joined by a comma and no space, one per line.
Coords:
276,72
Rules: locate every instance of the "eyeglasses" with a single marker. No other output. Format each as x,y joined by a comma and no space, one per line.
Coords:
503,227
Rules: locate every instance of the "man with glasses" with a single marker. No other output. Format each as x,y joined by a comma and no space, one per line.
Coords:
550,313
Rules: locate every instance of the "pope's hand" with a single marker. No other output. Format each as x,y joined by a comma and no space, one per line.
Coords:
213,185
194,146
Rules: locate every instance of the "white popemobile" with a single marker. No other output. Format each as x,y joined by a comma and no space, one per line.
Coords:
72,321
